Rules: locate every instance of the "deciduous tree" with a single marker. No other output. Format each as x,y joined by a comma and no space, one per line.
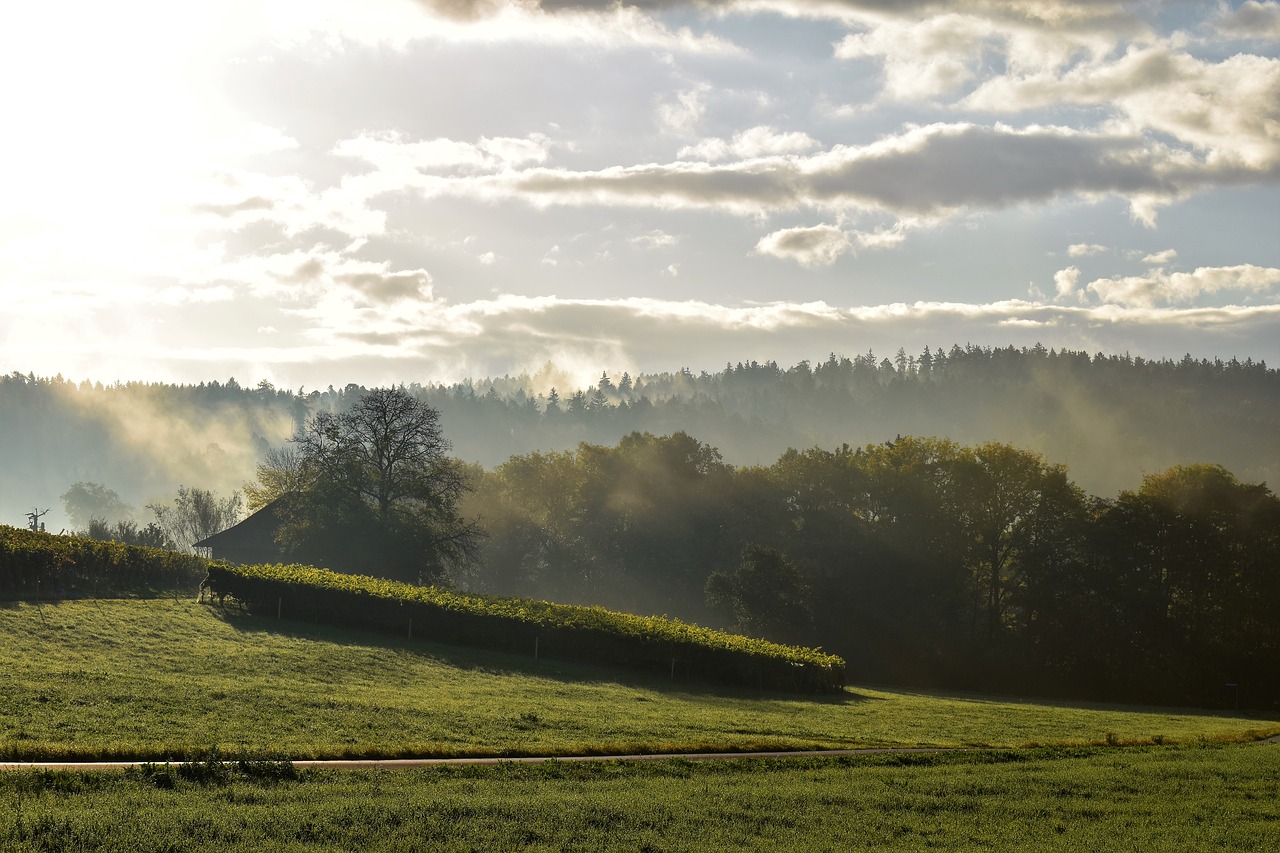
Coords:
378,493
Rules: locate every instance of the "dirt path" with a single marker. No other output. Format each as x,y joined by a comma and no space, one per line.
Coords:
402,763
399,763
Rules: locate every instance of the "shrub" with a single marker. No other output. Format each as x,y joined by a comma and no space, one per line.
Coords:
590,634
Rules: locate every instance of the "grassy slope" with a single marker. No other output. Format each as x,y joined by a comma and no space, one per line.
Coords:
164,678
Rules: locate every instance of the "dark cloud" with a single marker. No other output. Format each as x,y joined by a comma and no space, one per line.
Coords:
991,167
928,171
388,286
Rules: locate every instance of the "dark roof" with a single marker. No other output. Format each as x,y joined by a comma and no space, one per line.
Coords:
256,531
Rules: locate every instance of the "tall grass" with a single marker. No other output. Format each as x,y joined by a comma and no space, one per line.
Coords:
1156,798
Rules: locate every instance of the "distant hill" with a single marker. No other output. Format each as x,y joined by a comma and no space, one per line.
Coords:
1109,418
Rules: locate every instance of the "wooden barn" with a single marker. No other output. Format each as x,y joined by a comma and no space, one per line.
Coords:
252,541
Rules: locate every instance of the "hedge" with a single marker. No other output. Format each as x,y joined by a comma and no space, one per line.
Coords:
44,565
589,634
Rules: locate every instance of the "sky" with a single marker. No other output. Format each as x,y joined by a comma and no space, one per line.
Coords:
316,192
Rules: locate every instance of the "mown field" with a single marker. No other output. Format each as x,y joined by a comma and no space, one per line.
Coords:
161,678
1147,798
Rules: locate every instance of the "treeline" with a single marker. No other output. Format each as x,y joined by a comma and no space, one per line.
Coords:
917,560
1110,418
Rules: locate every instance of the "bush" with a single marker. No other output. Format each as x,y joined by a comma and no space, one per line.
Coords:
43,565
590,634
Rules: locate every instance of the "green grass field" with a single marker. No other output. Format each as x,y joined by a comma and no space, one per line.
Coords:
163,679
1147,798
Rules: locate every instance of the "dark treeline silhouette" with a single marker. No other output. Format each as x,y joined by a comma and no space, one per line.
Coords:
918,560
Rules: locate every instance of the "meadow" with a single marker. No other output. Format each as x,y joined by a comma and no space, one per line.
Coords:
1209,797
164,679
234,693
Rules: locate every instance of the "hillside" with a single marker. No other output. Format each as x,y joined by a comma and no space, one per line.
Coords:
157,678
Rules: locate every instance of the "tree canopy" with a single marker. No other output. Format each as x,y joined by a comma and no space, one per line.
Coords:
372,489
917,560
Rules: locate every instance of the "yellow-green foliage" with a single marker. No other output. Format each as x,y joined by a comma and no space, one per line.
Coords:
34,564
556,630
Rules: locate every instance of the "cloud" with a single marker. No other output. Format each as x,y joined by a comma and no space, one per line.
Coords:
1252,20
818,246
1065,281
354,339
1230,109
304,277
393,154
1161,258
684,113
925,171
1084,250
655,239
748,144
1159,287
1089,14
922,59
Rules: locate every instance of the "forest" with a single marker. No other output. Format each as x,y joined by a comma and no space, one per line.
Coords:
919,561
1111,419
1093,526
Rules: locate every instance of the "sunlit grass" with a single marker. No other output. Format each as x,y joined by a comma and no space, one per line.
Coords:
162,678
1152,798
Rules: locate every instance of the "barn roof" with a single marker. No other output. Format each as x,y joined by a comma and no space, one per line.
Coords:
257,531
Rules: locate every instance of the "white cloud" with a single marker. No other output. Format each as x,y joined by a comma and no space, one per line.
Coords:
683,115
922,59
655,239
1084,250
1229,110
817,246
1161,258
1252,20
1065,281
748,144
393,154
1159,287
350,338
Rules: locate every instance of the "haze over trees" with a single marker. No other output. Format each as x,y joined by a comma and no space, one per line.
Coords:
917,560
1111,419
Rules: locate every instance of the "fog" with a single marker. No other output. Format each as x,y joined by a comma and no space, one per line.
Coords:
1110,420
